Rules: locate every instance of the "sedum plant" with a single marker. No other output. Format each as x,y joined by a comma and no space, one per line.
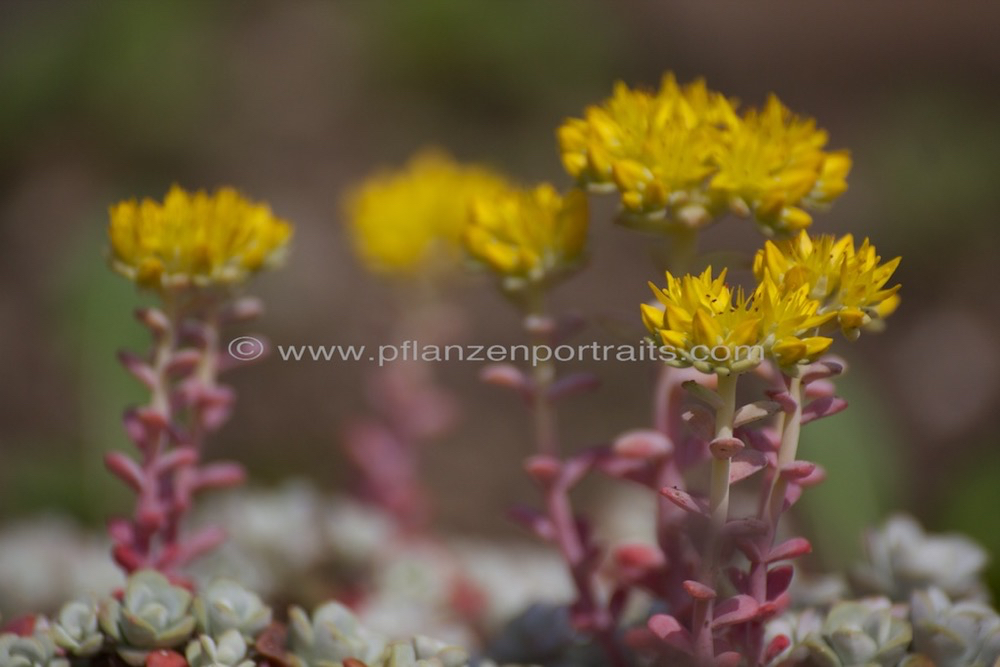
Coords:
331,636
35,650
225,605
901,560
193,251
947,634
228,650
152,614
76,629
864,632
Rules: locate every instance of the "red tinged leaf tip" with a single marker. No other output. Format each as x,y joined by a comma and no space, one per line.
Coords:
777,645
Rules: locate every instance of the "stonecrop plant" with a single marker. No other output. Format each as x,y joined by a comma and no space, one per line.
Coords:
743,367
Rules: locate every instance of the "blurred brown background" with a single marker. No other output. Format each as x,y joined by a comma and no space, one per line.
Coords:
294,101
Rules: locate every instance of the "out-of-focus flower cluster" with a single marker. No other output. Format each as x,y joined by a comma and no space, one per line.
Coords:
683,155
412,219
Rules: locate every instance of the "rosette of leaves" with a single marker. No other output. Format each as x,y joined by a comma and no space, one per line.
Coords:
332,635
229,650
860,633
37,650
226,605
963,634
76,629
153,614
422,652
787,633
903,559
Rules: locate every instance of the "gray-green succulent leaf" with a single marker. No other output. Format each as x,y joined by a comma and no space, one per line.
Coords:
229,650
422,651
960,634
36,651
76,628
153,614
226,605
902,559
860,633
330,637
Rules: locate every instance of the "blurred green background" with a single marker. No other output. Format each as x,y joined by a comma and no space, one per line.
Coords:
294,101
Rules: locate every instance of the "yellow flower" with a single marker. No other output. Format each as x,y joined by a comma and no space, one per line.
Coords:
411,220
706,324
656,148
528,236
194,239
682,155
848,283
773,166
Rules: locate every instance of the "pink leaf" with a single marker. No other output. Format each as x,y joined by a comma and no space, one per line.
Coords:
728,659
543,468
534,521
507,376
793,548
745,464
699,591
685,501
822,370
139,369
797,470
777,645
755,411
726,448
737,609
669,630
643,444
778,580
125,469
638,556
823,407
219,475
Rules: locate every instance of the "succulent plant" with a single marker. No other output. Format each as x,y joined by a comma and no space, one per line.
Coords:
795,627
903,559
229,650
422,652
226,605
330,637
860,633
37,650
152,614
963,634
76,629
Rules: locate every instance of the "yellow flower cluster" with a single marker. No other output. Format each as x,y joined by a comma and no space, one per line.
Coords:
412,220
716,329
528,236
848,283
804,287
194,239
683,155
